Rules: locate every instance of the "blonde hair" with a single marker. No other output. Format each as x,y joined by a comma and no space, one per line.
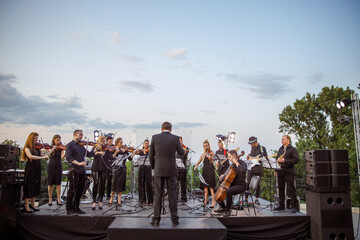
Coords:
99,141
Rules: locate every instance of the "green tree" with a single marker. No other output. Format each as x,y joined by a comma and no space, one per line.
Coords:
313,121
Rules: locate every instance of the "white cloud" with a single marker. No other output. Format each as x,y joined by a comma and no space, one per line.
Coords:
115,38
177,54
137,86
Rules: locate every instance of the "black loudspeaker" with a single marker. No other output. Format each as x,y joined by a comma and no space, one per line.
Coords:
318,155
331,216
316,168
8,151
339,155
319,181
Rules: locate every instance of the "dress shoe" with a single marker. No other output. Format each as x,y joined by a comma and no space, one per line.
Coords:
175,222
257,202
93,206
279,208
70,213
79,211
49,204
154,223
100,206
60,204
26,211
220,209
34,209
293,210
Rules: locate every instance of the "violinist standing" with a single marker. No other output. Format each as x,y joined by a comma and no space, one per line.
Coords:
145,177
119,170
162,159
238,184
183,171
32,177
98,176
257,170
208,172
54,171
75,155
221,154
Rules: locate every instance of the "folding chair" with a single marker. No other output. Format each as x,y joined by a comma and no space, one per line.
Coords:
254,182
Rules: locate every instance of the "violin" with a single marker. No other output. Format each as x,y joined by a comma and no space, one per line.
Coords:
39,145
110,148
146,150
61,147
83,143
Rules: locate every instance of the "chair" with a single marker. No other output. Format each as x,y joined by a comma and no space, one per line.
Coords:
254,182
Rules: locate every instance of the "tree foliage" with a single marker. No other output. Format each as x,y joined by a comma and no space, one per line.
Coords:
313,121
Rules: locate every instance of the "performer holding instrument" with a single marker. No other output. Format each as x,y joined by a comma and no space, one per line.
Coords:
208,173
287,157
221,154
233,182
54,170
32,154
256,169
98,175
145,175
75,155
119,170
182,170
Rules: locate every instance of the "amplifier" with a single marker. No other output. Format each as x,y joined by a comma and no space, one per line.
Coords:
7,163
8,151
318,155
315,168
7,178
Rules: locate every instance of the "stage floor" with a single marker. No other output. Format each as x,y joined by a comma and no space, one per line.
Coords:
133,221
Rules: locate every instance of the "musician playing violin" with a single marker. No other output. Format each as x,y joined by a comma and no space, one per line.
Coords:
98,174
182,172
238,184
57,153
119,170
208,172
145,176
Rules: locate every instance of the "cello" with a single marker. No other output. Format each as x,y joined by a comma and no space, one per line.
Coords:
229,176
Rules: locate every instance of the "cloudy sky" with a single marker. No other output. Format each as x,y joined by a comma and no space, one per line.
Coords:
209,67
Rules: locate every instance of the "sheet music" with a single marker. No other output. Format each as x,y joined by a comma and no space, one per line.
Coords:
179,164
143,161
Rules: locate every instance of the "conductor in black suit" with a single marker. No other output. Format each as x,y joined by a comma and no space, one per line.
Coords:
162,159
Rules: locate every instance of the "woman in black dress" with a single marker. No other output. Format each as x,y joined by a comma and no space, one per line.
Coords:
32,177
54,171
119,170
208,172
96,173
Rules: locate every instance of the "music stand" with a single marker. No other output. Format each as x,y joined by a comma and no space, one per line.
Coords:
202,205
272,165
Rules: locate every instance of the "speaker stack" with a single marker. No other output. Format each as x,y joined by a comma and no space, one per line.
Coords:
9,184
327,197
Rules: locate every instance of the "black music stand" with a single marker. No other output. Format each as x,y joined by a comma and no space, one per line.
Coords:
163,209
271,166
203,206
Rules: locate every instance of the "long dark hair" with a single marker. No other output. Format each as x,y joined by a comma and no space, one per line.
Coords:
29,144
53,143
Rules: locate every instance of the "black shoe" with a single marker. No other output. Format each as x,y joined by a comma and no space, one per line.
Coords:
70,213
49,204
34,209
279,208
154,223
26,211
257,202
79,211
175,222
293,210
60,204
100,207
220,209
227,214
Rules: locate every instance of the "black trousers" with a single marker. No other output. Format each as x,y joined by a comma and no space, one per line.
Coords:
99,183
159,192
182,180
289,179
76,188
109,183
145,184
230,192
255,171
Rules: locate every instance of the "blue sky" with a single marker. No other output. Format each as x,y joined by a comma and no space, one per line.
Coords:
209,67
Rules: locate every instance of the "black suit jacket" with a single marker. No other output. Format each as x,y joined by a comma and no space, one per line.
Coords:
162,154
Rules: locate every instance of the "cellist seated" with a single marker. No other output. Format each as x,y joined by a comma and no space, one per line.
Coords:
238,184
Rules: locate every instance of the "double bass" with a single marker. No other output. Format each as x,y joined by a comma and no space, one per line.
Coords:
228,178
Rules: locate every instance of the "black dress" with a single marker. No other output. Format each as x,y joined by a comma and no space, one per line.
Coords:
119,173
208,173
55,169
32,177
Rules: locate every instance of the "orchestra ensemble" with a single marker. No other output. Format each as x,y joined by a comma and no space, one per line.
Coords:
161,162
